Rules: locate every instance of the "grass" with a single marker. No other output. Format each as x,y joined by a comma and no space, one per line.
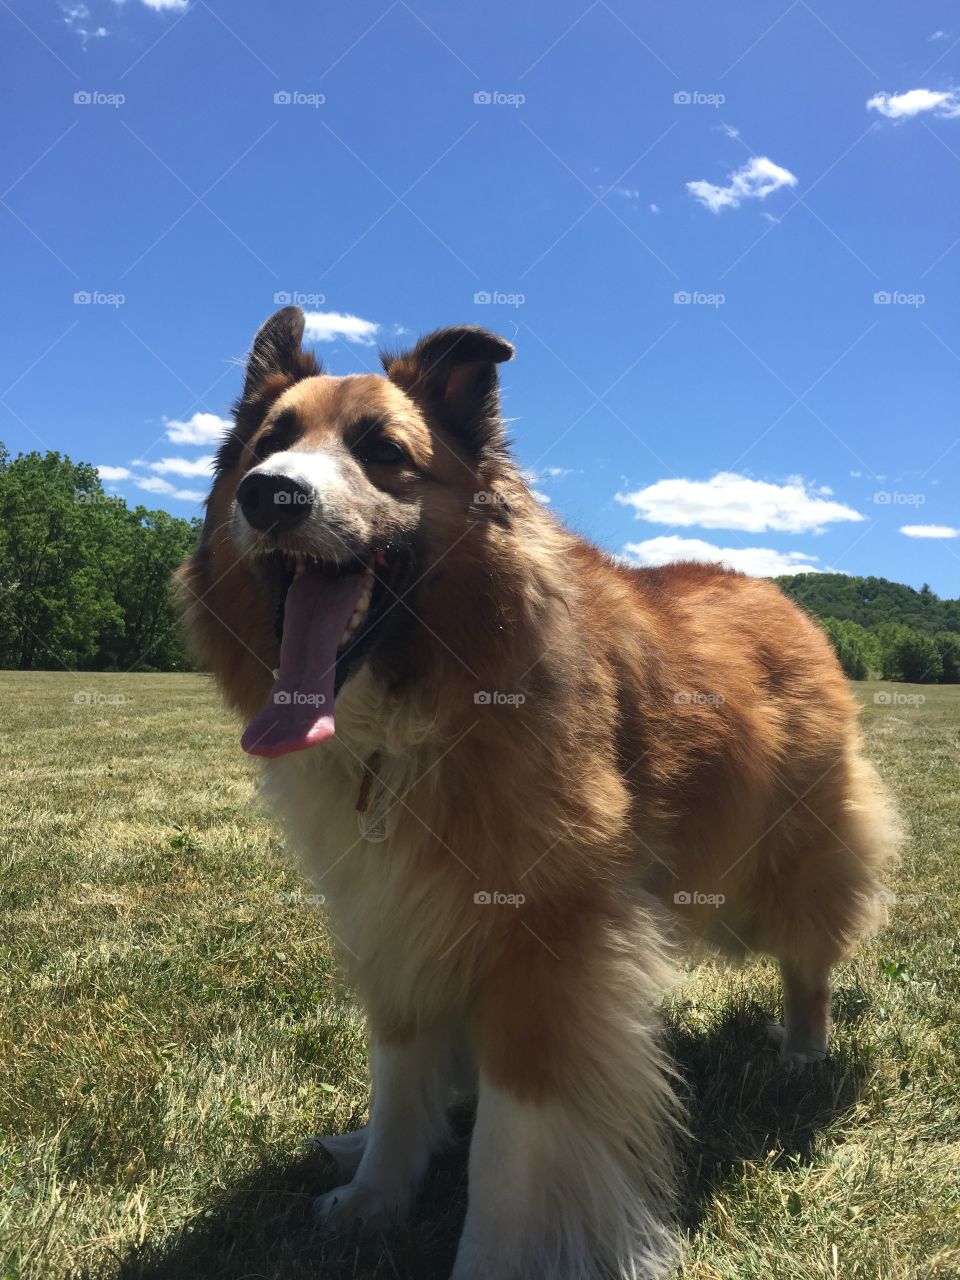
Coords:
172,1031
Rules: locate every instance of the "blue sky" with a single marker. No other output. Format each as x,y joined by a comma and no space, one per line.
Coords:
723,238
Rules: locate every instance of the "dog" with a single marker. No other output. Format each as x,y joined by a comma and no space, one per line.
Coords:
519,771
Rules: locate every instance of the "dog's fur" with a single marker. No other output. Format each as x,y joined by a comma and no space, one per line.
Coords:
683,733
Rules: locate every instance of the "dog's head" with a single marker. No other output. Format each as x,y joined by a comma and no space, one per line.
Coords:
332,498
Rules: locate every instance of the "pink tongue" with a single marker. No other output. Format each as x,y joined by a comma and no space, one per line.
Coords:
299,711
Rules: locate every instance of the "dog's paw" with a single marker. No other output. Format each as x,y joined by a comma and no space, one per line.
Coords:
345,1149
357,1204
792,1059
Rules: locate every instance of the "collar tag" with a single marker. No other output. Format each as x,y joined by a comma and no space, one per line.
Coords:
373,803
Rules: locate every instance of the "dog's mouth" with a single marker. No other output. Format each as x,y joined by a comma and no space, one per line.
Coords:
326,615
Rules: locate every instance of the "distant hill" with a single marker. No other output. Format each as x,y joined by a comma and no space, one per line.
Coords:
871,601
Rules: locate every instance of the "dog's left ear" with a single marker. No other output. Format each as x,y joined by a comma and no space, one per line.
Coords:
452,375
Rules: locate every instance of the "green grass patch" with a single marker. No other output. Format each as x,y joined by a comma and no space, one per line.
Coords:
172,1031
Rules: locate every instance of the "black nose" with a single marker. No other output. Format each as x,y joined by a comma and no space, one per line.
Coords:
273,502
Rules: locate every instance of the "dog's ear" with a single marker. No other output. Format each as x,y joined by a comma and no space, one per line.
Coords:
277,350
452,375
276,361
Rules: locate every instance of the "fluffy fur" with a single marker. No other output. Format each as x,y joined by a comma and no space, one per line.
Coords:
663,751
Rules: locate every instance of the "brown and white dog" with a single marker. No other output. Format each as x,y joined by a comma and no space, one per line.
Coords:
544,764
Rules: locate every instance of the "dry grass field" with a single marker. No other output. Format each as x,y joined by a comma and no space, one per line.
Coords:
172,1030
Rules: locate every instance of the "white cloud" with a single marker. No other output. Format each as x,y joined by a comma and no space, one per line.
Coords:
161,5
179,466
755,180
327,326
929,531
202,428
109,474
731,501
154,484
944,103
758,562
74,15
939,35
654,208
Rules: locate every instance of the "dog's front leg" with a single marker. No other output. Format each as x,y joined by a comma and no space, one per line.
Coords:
571,1159
412,1087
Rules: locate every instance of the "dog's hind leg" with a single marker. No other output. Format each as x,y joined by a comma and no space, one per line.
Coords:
413,1081
823,897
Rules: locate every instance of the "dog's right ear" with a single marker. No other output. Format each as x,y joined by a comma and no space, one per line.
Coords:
276,361
277,350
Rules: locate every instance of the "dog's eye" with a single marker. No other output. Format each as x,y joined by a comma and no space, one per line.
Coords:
381,451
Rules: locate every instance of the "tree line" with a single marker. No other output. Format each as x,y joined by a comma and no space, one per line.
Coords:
85,585
85,579
881,628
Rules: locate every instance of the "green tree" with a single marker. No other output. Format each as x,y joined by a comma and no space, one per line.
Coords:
948,645
84,581
910,655
855,647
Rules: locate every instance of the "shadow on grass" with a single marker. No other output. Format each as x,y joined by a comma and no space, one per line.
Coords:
742,1108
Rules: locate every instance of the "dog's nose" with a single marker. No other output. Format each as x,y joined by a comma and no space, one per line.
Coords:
273,502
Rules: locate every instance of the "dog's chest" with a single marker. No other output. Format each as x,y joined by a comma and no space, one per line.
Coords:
393,909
